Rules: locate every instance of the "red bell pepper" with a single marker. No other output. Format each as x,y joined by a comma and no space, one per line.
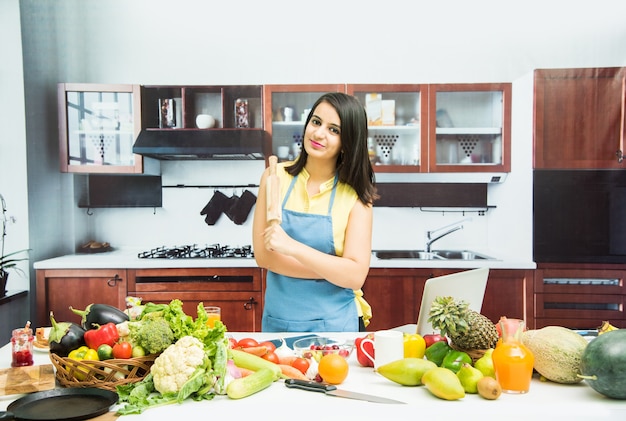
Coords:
105,334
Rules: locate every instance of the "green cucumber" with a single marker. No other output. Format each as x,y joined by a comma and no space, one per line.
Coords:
246,386
253,362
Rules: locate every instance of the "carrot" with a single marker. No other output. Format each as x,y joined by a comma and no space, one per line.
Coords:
287,360
245,371
259,351
289,372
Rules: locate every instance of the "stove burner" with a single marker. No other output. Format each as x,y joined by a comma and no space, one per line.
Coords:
214,251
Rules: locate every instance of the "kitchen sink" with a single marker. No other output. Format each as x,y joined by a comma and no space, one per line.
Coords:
432,255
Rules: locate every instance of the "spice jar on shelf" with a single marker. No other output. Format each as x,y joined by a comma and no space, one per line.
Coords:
22,346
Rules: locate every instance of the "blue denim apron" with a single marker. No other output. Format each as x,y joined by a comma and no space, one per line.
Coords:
308,305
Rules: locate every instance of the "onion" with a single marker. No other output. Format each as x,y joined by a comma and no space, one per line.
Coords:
283,350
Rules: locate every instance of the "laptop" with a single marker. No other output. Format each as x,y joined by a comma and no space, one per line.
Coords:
468,286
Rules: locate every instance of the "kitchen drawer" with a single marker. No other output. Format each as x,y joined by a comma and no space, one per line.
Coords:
579,281
194,279
596,307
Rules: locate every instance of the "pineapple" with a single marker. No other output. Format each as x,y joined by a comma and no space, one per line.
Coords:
467,329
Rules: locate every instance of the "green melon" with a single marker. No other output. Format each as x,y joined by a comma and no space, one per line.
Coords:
603,364
557,351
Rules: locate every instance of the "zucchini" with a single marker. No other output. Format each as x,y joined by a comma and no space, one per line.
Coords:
253,362
246,386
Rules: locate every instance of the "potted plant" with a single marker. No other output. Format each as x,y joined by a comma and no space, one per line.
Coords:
10,260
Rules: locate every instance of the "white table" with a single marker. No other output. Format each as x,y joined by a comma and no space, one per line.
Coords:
544,400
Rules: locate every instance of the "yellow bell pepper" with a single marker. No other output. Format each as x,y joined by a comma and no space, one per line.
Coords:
84,353
414,346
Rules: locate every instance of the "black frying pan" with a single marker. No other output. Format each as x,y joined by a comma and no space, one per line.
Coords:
69,404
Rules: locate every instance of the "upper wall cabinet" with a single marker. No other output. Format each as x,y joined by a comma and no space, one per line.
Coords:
580,118
396,125
98,125
469,127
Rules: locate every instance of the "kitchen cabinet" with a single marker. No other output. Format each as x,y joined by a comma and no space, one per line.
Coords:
579,118
238,291
469,127
98,124
286,109
397,124
395,295
58,289
219,107
579,297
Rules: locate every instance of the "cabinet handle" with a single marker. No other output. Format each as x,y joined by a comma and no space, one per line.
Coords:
112,282
249,305
620,156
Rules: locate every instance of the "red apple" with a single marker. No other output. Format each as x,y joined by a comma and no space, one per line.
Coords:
368,346
431,338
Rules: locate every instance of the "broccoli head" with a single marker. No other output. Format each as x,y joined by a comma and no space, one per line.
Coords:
153,334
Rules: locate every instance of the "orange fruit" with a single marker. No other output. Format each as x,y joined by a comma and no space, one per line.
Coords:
333,368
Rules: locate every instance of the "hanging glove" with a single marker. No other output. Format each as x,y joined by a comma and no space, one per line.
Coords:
213,210
239,212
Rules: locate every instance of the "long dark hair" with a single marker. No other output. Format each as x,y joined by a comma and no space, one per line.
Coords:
353,164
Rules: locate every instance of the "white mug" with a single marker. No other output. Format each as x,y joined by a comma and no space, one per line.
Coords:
388,346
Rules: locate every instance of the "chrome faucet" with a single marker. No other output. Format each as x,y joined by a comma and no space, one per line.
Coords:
455,227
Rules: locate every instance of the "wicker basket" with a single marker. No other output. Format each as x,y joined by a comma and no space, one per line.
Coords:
474,354
107,374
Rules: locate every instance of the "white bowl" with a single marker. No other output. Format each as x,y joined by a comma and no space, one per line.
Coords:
205,121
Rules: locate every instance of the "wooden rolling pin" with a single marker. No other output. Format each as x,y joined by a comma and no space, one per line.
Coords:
274,210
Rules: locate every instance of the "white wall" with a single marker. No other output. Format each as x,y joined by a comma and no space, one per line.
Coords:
279,41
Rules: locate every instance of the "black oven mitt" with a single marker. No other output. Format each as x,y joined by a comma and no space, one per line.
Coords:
213,210
239,211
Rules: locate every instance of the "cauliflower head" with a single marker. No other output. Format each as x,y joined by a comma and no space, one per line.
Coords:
176,364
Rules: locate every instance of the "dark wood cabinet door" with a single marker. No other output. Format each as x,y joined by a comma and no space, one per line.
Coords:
509,293
579,118
57,290
394,295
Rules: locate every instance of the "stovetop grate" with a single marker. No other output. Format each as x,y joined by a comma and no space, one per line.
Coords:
214,251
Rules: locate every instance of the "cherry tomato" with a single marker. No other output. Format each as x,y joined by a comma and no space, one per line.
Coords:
271,356
247,342
232,343
122,350
269,345
301,364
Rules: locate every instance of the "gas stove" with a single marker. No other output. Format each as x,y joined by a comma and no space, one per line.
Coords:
214,251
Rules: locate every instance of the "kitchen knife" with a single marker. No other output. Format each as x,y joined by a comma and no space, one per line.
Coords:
274,211
333,391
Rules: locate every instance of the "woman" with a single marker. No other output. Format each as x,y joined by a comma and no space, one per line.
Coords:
318,257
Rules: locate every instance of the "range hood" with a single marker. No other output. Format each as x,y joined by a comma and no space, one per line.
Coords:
218,144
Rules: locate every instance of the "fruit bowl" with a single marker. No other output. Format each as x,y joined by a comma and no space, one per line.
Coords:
316,347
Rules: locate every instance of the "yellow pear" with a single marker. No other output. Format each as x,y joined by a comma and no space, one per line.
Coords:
485,364
406,371
443,383
469,377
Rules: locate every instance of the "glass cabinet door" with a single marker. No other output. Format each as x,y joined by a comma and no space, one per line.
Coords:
395,125
98,126
287,107
469,128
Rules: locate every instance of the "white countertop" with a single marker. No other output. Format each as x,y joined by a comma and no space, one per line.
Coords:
544,400
127,259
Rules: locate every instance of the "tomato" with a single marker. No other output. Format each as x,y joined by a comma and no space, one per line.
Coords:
122,350
271,356
301,364
247,342
232,343
269,345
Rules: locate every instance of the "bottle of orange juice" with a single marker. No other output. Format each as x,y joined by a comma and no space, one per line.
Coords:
513,362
